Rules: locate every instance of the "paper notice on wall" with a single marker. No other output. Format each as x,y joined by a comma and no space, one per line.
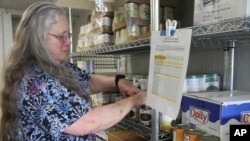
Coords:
168,66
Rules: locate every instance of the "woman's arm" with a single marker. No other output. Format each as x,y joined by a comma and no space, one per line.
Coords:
100,83
106,116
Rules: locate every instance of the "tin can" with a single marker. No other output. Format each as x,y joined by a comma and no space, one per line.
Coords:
208,137
213,82
178,132
202,82
192,83
91,66
145,116
131,10
192,134
144,12
133,30
143,83
123,35
134,114
121,13
104,21
144,29
117,36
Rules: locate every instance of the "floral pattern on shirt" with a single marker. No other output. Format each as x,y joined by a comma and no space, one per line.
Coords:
47,107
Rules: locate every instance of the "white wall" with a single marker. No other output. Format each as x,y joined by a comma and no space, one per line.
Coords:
79,18
6,37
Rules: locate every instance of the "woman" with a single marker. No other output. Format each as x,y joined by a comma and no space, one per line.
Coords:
46,98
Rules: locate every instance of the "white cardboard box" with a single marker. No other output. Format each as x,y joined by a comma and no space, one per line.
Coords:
210,11
214,112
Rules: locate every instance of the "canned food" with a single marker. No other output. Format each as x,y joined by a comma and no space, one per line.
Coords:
208,137
143,83
202,82
117,36
145,116
178,132
213,82
131,10
144,12
192,134
133,30
192,83
144,29
91,66
134,114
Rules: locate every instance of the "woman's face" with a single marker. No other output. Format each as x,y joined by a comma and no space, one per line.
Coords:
58,39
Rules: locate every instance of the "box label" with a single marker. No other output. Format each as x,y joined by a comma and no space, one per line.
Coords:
201,115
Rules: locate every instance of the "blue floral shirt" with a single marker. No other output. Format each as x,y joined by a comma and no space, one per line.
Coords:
47,107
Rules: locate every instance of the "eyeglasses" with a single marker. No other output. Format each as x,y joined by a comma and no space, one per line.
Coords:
63,38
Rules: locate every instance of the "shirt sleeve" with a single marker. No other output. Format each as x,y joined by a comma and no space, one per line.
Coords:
49,104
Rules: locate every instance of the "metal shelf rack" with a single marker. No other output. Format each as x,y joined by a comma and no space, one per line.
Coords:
221,34
143,131
214,35
226,35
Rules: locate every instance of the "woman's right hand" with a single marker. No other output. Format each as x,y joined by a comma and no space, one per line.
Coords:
139,99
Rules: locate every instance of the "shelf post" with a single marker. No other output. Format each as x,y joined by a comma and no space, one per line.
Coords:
228,79
154,8
118,65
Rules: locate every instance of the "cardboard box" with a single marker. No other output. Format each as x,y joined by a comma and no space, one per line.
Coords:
210,11
214,112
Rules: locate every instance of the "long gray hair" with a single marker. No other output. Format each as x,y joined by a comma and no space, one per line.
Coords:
29,48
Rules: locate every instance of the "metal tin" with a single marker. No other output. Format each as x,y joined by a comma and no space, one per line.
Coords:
213,82
91,66
192,83
144,12
133,30
134,114
192,134
144,29
145,116
178,132
202,82
131,10
208,137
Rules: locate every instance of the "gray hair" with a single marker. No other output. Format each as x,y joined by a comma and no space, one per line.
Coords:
29,47
34,27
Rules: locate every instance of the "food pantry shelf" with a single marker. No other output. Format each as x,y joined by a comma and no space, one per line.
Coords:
143,131
104,64
212,35
222,34
129,47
